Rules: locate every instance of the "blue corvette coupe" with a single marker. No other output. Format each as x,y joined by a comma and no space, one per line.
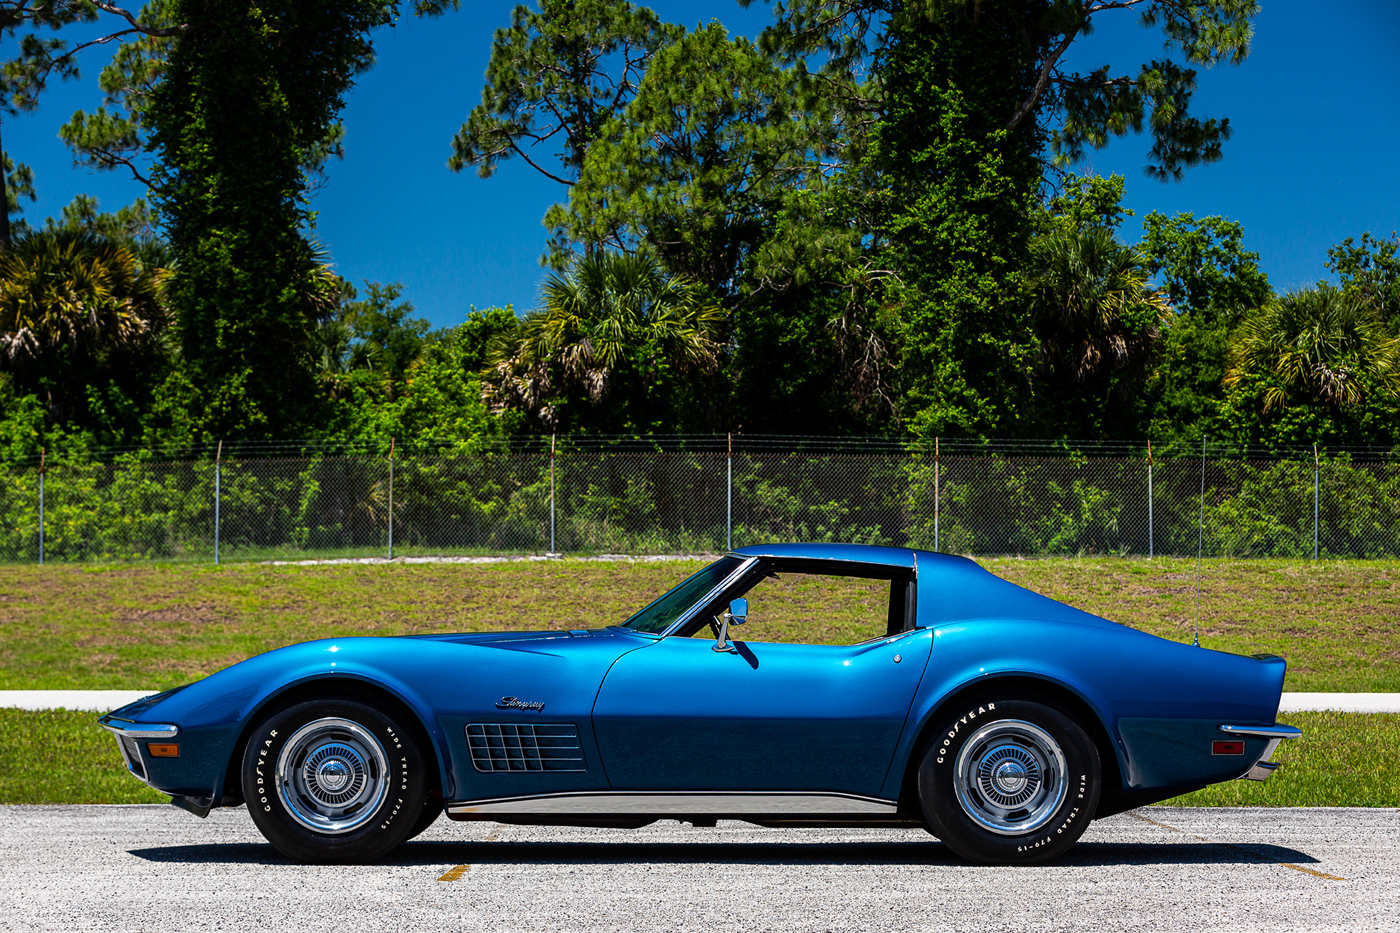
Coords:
880,687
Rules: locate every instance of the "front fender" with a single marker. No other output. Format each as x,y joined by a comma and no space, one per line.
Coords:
445,682
214,713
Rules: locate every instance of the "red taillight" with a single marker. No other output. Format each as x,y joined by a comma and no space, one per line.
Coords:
1226,748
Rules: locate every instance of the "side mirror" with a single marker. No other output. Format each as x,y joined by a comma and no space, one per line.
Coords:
737,614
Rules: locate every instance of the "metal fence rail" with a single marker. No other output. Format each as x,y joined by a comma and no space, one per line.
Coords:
698,499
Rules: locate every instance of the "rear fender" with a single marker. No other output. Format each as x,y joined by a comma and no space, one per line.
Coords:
1119,673
971,665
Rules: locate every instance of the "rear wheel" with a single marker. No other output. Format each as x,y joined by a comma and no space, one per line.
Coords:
1009,781
333,780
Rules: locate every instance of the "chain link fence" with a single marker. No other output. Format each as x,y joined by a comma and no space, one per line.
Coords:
702,495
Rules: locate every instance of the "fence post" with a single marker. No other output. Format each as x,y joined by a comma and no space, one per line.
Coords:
1149,499
551,492
42,455
1315,472
218,461
391,498
729,498
935,493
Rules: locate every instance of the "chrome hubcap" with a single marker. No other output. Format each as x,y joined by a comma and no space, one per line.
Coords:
332,775
1009,777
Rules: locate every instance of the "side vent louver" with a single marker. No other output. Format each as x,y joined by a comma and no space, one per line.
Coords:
519,747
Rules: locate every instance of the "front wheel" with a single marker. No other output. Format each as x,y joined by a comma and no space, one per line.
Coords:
1009,781
333,781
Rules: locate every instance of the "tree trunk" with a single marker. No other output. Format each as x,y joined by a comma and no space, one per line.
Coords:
5,214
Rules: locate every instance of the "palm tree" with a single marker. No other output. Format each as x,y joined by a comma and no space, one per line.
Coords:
1093,305
1321,342
74,288
609,312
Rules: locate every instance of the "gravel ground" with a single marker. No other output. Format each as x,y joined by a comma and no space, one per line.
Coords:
76,868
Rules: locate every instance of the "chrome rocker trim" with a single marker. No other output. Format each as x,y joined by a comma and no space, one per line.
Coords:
680,803
1263,768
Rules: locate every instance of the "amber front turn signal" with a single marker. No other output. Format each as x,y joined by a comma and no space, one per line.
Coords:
163,749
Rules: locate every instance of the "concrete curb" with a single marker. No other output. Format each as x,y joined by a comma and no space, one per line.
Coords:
1342,702
99,701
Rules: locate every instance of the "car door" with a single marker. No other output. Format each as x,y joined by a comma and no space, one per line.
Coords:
767,715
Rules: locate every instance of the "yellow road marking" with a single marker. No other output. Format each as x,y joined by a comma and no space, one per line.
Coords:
452,874
1307,871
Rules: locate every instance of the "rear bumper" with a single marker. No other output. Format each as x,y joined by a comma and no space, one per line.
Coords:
1263,768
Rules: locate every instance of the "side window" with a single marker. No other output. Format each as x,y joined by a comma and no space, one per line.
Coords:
816,609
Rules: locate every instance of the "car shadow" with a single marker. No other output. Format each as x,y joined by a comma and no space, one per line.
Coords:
448,853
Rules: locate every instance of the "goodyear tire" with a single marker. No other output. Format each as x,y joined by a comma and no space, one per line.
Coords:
432,809
333,780
1008,781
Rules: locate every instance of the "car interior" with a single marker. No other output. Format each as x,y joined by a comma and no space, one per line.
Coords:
805,602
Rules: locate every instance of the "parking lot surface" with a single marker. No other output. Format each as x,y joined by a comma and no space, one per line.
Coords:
157,868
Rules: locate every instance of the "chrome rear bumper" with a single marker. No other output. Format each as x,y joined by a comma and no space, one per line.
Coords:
1263,768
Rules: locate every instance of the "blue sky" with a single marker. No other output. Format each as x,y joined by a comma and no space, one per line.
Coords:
1315,112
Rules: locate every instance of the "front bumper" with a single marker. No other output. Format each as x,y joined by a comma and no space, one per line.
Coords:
127,733
1263,768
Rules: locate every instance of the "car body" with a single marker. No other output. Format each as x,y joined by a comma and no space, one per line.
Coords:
1000,719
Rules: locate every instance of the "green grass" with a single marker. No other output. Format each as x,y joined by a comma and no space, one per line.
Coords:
1343,760
159,625
1337,622
62,756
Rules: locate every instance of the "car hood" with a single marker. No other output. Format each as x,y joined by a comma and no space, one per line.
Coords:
559,640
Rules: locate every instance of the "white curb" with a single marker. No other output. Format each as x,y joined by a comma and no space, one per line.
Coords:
99,701
1342,702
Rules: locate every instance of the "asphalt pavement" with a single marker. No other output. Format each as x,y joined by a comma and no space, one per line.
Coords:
100,868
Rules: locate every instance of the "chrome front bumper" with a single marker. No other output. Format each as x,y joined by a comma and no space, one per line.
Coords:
1275,734
127,732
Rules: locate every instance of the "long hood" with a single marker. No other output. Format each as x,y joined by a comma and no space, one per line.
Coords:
444,674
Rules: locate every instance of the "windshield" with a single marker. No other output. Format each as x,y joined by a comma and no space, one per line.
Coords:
658,617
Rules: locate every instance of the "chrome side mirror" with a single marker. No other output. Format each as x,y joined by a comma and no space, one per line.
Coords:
736,614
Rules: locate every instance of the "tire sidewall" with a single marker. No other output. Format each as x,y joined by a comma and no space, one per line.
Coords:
393,820
945,815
